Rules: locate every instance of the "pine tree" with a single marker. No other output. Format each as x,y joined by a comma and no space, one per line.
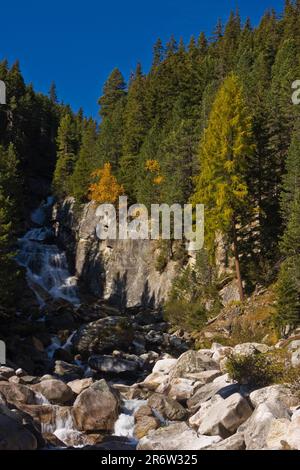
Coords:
226,147
66,156
52,93
114,90
86,162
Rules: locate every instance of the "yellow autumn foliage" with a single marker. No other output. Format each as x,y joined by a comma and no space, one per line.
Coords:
106,188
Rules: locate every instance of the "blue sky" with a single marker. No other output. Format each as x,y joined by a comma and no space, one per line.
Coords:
77,44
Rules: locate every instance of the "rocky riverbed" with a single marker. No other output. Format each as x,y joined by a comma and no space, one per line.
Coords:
182,403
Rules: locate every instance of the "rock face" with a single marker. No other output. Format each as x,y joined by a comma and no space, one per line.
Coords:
103,336
96,408
121,271
176,436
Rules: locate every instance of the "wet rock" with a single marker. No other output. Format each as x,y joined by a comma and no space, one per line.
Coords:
77,386
103,336
17,393
113,365
15,436
144,425
96,408
55,391
50,417
68,372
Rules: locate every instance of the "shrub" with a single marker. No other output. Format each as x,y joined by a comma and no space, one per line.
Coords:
256,370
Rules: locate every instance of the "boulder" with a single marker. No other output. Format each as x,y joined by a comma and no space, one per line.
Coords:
164,366
235,442
56,391
78,385
177,436
256,428
292,435
277,434
224,418
113,365
246,349
193,362
295,358
144,410
220,352
68,372
103,336
196,419
17,393
182,389
154,381
96,408
205,377
15,436
144,425
50,417
274,393
167,408
6,372
220,386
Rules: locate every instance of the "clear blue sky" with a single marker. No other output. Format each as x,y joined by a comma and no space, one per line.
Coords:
77,44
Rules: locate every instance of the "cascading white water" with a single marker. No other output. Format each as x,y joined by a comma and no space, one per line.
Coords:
124,426
45,263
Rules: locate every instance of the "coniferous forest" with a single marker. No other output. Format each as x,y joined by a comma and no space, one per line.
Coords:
211,122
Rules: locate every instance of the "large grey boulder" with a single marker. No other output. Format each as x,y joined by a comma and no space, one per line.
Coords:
223,418
177,436
256,428
274,393
96,408
113,365
221,386
193,362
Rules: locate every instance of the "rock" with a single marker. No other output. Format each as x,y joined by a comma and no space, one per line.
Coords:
154,381
196,419
15,436
182,389
62,354
230,293
20,372
277,434
103,336
220,352
235,442
78,385
246,349
193,362
295,359
56,391
224,418
68,372
50,417
144,410
206,392
96,408
6,372
204,377
177,436
28,380
274,393
292,435
144,425
256,428
164,366
293,346
113,365
73,438
167,408
17,393
53,441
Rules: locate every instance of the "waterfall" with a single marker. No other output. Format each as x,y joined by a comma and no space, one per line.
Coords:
46,265
124,426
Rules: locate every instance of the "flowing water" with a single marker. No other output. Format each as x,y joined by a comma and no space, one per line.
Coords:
46,265
124,425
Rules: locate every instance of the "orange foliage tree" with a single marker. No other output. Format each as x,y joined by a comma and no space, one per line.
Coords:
106,188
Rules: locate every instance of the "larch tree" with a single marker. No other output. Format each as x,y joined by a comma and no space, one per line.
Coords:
225,149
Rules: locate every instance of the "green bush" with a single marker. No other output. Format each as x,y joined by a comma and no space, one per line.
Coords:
256,370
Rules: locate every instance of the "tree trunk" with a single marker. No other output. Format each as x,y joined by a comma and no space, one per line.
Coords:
237,263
